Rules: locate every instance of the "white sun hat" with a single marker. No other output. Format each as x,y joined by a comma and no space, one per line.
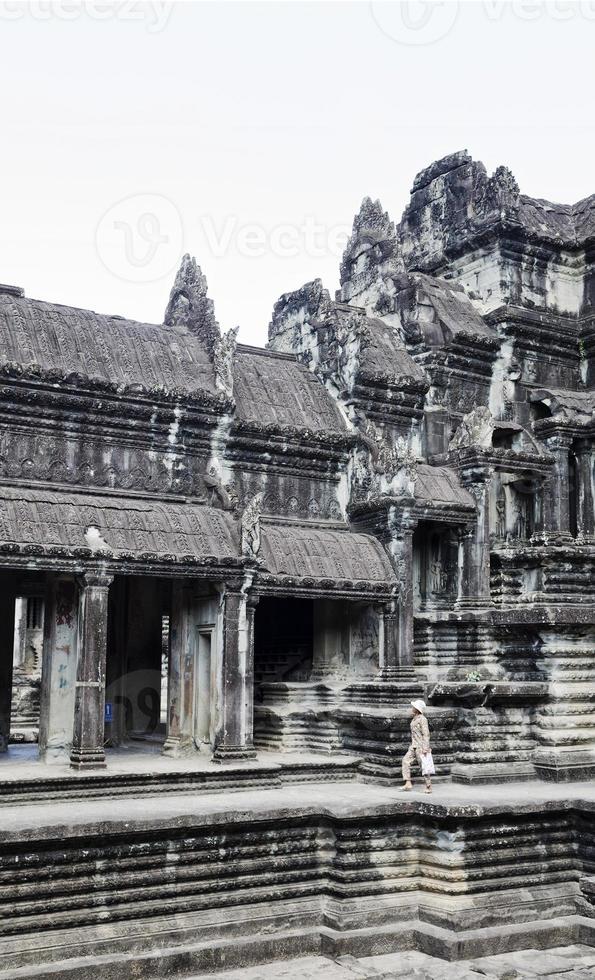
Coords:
419,705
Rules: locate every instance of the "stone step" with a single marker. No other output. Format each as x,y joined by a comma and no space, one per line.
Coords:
243,952
109,784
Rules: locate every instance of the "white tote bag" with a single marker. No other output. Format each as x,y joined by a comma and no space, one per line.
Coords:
427,765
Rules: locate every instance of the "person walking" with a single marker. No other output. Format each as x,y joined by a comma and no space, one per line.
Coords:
420,746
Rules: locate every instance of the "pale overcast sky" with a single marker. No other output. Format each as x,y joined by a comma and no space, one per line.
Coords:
247,134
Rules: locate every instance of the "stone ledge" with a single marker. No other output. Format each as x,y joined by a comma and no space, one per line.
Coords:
242,951
355,800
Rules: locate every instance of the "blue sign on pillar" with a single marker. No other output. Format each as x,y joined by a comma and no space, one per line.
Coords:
108,711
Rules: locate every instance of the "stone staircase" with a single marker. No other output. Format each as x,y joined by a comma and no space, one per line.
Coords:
25,706
283,667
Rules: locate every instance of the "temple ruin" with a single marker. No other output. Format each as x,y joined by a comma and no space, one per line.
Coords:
241,564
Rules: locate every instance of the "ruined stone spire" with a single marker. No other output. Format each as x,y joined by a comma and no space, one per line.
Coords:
190,306
371,226
451,200
501,192
311,301
371,252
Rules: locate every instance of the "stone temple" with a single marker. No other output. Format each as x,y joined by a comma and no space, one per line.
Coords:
227,570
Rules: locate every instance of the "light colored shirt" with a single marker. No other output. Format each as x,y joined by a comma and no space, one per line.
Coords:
420,733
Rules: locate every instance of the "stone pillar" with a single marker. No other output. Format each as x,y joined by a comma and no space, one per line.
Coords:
398,627
180,709
20,630
556,490
474,548
585,518
251,604
234,677
7,611
466,539
389,642
89,705
59,669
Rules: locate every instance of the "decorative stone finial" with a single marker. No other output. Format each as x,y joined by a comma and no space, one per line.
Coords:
190,306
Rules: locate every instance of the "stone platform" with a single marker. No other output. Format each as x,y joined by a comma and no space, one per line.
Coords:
141,770
179,884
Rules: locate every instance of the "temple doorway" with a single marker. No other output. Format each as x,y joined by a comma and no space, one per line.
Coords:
203,687
26,668
435,566
21,659
283,640
136,698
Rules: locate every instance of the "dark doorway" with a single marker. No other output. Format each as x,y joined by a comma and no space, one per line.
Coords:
283,640
138,644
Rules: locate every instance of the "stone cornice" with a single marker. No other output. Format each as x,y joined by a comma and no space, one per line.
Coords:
40,379
478,458
82,560
311,588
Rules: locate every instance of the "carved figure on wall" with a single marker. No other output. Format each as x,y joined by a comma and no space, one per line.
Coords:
361,473
523,509
396,463
476,429
436,577
313,508
219,495
223,356
519,523
334,511
406,460
250,523
501,515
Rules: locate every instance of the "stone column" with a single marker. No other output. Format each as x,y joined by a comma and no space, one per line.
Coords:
584,497
7,611
466,539
59,669
180,709
20,630
556,490
398,616
389,642
474,548
398,620
89,705
234,677
251,604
